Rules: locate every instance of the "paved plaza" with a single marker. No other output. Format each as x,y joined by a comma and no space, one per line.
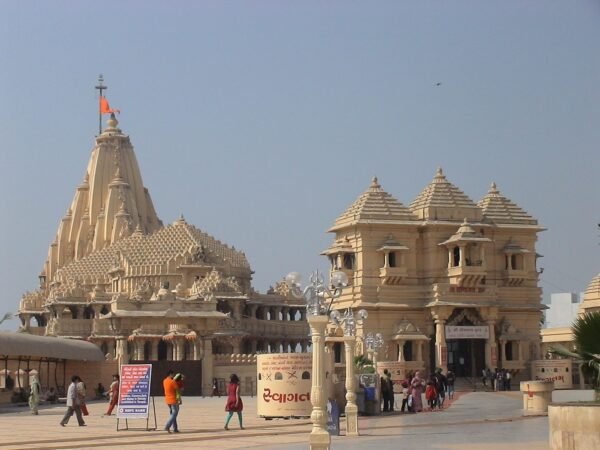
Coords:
475,420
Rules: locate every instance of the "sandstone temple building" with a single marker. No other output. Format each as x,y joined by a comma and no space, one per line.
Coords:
142,291
449,282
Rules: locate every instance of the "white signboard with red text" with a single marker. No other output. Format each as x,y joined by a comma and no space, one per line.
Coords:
284,383
558,370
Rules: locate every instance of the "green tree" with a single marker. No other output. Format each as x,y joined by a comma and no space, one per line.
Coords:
586,331
362,364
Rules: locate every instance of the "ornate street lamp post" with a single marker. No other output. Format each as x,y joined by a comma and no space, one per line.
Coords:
348,324
374,343
316,295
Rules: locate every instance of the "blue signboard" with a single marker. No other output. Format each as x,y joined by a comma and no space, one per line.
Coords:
134,391
333,418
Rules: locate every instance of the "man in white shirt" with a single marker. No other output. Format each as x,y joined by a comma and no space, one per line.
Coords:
73,403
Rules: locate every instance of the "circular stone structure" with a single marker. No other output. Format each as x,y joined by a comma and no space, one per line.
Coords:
536,397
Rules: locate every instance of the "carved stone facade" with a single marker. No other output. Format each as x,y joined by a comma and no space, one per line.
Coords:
143,291
443,261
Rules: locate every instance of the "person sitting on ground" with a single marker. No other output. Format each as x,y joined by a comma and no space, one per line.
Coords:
101,392
50,396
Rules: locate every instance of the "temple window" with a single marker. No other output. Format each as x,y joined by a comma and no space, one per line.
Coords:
147,350
88,313
510,353
455,256
337,352
104,310
162,350
104,348
407,351
392,259
349,261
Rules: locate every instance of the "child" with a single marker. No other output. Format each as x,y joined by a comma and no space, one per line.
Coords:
431,394
405,397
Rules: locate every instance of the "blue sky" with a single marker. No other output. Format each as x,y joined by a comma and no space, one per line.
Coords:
261,121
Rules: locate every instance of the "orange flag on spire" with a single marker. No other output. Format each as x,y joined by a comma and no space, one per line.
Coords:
105,107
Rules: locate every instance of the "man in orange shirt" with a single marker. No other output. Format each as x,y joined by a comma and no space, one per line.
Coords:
170,387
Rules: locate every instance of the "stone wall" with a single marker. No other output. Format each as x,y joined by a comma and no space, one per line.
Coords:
93,373
244,366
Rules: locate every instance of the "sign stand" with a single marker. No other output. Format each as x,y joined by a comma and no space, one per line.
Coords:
134,395
147,421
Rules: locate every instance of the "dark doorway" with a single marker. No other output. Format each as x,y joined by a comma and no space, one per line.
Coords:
162,350
466,357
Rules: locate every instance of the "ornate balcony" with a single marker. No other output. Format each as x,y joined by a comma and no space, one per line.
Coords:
515,277
466,275
392,275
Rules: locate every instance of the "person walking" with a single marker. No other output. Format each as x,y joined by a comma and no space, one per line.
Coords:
387,391
113,394
417,385
34,395
73,403
81,392
441,385
450,377
234,401
170,388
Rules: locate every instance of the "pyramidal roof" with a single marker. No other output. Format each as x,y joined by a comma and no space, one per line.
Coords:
374,205
179,242
441,200
498,209
108,205
591,297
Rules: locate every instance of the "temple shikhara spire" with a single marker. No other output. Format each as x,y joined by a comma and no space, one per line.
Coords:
108,205
143,291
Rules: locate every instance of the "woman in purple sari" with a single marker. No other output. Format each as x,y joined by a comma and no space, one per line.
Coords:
417,385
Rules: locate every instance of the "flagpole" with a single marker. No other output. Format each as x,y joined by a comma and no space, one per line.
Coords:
100,87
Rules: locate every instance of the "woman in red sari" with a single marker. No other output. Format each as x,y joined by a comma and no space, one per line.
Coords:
234,401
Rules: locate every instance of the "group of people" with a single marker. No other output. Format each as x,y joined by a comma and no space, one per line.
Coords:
499,379
75,402
173,386
435,389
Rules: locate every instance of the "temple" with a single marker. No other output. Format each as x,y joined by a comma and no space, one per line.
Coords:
142,291
450,283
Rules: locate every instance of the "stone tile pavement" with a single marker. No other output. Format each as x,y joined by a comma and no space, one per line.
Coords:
474,421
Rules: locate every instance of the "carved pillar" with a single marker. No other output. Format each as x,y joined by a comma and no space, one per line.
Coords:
122,353
401,350
179,350
285,311
491,350
154,350
303,314
25,319
419,351
440,343
319,436
351,408
207,367
111,347
461,250
503,351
